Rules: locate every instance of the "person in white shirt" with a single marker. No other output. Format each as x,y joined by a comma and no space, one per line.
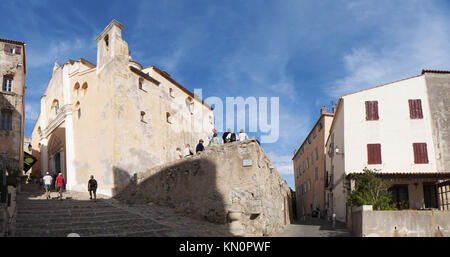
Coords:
187,151
242,135
47,184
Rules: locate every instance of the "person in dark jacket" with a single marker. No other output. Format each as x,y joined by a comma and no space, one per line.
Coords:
199,147
225,135
92,188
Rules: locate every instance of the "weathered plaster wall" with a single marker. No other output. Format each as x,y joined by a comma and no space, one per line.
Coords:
204,187
13,65
438,89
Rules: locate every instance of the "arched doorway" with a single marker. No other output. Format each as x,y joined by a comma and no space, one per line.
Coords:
56,157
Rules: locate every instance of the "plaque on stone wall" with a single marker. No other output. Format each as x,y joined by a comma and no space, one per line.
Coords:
246,163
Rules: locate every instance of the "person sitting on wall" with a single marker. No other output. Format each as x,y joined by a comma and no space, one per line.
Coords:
178,153
199,147
225,135
242,135
187,151
215,140
231,137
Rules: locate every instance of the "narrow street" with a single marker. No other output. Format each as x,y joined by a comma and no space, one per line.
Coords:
315,227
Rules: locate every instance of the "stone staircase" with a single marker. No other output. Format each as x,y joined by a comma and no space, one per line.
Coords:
39,217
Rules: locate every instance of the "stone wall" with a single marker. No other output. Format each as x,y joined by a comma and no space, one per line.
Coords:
230,178
410,223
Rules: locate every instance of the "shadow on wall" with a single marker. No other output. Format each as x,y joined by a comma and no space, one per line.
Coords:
188,186
10,139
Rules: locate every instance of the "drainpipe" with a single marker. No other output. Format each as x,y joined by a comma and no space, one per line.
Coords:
4,188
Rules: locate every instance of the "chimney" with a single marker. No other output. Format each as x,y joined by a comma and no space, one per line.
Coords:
323,110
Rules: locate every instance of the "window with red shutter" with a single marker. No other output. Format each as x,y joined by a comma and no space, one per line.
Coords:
371,110
17,49
373,153
7,48
420,153
415,109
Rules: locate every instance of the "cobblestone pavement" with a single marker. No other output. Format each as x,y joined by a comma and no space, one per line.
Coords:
315,227
37,217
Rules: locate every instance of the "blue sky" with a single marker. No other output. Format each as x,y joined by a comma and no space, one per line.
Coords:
307,53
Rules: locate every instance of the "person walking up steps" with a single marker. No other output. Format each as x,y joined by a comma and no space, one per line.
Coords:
92,188
47,184
60,185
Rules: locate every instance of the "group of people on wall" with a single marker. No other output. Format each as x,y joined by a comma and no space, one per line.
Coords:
228,137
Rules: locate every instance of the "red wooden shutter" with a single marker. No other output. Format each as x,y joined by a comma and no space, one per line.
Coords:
415,109
420,153
7,48
371,110
17,49
375,110
368,110
373,154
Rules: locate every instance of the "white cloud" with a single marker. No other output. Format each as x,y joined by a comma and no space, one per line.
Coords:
31,112
403,50
283,163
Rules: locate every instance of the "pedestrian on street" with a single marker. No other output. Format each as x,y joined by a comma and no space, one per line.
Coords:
60,185
92,188
47,184
199,147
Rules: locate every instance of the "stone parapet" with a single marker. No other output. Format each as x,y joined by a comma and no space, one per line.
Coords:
233,184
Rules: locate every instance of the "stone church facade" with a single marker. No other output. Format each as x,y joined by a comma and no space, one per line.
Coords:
114,119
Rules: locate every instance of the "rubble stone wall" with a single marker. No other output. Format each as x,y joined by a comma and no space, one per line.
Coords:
229,178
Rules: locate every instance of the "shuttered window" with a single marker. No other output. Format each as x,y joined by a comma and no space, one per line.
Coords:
6,120
17,50
420,153
373,154
415,109
371,110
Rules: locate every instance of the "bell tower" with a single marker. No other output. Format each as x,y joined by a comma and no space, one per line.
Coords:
110,44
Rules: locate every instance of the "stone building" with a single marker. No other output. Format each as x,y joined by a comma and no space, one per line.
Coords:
12,102
401,129
113,119
310,174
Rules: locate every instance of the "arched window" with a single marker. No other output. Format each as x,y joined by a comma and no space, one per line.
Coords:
168,118
106,39
78,109
77,86
190,104
84,87
142,116
55,106
171,92
141,83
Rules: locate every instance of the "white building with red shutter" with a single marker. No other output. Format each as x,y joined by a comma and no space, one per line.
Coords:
400,129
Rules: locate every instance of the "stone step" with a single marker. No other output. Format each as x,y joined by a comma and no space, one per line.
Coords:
122,229
87,212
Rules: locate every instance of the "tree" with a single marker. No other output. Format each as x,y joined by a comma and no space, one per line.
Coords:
370,190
